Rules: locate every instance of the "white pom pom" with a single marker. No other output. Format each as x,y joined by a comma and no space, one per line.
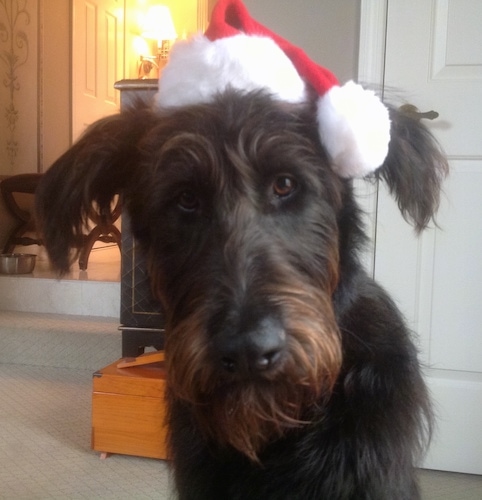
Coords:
354,127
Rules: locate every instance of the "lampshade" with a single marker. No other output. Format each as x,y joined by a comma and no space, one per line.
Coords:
158,24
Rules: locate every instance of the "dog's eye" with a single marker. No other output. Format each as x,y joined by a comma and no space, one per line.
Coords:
284,185
188,201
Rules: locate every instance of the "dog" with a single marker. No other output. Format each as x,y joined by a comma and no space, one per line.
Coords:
291,374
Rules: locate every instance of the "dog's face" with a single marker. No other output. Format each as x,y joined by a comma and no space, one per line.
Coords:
247,229
240,219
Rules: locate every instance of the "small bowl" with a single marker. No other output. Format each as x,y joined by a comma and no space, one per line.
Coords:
17,263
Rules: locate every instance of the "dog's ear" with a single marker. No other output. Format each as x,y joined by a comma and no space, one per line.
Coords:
87,177
414,168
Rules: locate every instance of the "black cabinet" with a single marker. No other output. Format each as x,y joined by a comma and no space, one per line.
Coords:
141,316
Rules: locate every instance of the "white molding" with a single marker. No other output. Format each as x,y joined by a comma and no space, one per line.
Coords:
202,15
371,69
371,53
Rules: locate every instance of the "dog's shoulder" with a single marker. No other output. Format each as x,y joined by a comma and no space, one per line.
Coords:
379,350
379,355
369,319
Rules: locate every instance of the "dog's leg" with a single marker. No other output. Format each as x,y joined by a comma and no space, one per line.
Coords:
385,406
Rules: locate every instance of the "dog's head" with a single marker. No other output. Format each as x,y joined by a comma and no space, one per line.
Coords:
249,231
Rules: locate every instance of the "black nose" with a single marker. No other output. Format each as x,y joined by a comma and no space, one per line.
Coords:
256,350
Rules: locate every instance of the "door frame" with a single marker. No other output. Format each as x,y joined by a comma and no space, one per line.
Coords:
371,73
371,55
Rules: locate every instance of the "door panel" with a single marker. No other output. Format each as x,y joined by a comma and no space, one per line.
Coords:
97,60
437,278
456,342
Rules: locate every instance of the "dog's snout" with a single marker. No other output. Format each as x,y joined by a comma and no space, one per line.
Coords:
255,351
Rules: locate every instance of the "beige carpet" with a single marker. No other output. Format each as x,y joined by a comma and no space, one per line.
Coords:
45,446
45,442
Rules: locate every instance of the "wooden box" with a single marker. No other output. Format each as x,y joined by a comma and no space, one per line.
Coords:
128,410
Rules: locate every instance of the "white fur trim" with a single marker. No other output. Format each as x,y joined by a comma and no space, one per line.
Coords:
355,129
200,68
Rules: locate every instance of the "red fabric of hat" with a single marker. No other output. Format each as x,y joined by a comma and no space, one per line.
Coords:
231,17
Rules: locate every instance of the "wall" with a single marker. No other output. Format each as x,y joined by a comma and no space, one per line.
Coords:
55,101
18,89
34,87
328,30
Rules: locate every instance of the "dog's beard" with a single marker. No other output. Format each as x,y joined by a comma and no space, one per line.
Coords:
248,414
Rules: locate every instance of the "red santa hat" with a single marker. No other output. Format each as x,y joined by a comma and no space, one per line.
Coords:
238,52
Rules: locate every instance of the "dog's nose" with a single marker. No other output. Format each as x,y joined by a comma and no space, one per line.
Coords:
257,350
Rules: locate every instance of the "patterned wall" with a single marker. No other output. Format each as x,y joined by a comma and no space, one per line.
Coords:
18,86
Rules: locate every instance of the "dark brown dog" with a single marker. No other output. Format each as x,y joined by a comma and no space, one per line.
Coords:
291,374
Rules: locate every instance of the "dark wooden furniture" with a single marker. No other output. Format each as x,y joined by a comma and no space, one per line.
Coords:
106,232
18,193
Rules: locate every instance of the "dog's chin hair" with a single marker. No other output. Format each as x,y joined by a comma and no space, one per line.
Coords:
249,414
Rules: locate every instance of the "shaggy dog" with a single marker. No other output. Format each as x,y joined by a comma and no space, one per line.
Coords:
290,373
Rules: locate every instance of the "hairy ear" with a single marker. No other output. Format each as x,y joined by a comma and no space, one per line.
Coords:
87,177
414,169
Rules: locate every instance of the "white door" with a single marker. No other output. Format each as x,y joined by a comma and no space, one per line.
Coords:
434,60
97,60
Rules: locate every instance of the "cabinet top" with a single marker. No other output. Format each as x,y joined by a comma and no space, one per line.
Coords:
137,84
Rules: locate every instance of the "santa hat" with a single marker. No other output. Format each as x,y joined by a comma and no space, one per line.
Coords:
238,52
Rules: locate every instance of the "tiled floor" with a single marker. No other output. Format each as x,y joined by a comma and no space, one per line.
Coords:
94,292
103,265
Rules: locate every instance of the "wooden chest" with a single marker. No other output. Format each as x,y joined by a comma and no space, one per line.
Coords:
128,410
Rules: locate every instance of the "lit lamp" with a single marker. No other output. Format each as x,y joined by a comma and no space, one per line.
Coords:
158,26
